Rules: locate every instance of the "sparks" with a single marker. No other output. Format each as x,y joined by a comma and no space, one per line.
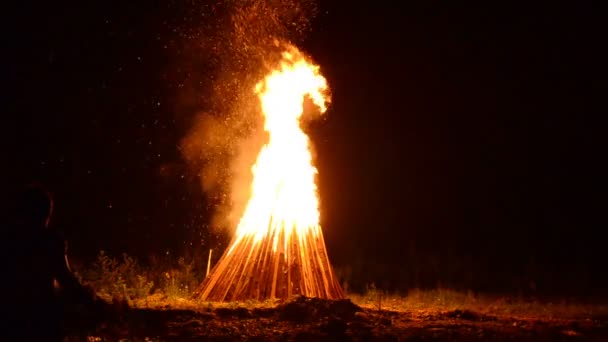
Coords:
278,249
284,196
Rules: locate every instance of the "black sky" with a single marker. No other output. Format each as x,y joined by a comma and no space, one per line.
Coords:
461,146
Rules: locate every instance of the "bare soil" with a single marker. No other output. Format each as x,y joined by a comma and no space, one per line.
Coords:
305,319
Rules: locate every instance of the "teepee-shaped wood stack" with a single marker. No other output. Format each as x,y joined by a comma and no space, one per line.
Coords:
278,250
255,270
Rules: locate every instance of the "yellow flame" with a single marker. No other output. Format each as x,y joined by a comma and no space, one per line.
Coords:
283,193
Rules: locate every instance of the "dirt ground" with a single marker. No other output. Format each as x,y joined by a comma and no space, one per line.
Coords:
305,319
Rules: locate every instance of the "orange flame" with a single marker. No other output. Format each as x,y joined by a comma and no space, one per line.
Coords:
284,193
278,249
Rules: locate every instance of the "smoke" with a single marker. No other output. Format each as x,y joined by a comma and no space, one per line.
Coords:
227,56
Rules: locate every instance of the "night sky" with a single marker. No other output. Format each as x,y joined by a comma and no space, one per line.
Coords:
461,147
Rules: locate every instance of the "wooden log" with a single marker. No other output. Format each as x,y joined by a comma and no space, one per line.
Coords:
278,266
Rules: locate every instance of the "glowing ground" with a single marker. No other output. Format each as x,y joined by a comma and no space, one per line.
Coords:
312,320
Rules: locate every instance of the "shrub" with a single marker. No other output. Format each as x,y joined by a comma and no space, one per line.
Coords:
118,278
180,281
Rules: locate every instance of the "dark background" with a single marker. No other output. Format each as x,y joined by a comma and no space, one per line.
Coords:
461,148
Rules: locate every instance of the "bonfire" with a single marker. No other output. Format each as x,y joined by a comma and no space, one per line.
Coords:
278,249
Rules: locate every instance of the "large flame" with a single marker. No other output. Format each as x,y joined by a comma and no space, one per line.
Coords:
283,193
278,250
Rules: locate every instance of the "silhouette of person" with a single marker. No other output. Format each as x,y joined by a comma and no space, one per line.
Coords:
36,271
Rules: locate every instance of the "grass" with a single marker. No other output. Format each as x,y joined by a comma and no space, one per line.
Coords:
125,278
171,285
439,300
417,301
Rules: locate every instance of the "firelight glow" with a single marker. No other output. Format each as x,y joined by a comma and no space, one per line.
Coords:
284,193
278,250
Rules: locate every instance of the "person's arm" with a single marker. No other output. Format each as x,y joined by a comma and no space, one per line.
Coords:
84,295
64,276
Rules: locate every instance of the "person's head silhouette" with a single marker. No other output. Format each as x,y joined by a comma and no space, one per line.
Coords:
35,205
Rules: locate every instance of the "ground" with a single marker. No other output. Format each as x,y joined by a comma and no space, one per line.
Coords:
375,318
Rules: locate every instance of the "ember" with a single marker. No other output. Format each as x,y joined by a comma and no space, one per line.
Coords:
278,250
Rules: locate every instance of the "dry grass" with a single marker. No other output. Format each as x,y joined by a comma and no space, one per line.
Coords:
447,300
170,287
417,301
160,301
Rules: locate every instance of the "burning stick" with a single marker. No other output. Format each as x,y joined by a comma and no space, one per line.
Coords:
278,250
208,263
